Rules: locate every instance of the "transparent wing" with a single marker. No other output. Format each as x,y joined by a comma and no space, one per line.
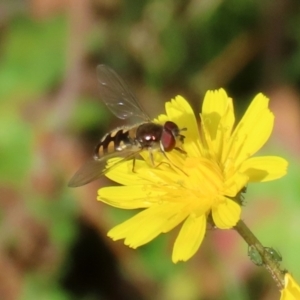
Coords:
116,94
94,169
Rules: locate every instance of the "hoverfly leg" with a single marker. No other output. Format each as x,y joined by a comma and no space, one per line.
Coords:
133,165
180,150
181,170
165,155
163,163
172,164
151,157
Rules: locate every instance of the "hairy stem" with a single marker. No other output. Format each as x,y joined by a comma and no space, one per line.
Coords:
270,262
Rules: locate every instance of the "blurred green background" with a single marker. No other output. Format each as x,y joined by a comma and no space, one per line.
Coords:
53,242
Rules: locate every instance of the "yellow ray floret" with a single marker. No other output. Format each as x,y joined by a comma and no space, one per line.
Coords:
291,290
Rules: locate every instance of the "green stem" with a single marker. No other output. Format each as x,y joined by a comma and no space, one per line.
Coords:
272,265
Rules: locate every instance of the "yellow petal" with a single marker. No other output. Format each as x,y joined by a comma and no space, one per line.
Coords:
162,176
226,214
183,212
190,238
215,105
125,174
144,226
291,290
235,183
217,118
264,168
205,174
193,148
252,132
129,197
180,112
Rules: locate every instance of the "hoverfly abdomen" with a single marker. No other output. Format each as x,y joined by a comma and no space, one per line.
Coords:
114,141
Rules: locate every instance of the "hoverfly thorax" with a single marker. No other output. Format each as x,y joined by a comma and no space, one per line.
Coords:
125,142
149,135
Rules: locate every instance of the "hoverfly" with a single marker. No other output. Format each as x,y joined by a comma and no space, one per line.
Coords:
128,141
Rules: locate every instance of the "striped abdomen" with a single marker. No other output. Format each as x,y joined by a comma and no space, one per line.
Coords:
116,141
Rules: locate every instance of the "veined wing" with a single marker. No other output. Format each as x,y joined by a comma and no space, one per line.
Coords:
117,96
94,169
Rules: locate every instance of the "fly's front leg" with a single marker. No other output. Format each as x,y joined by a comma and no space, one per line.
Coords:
171,164
151,157
133,165
180,150
163,163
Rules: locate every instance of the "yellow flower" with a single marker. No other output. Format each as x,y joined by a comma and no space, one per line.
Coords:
190,188
291,290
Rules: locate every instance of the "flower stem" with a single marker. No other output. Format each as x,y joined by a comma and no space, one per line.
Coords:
270,262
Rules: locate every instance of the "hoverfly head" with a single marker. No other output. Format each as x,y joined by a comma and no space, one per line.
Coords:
170,135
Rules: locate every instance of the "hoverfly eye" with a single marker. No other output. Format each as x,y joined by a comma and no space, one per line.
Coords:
171,127
168,137
168,141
